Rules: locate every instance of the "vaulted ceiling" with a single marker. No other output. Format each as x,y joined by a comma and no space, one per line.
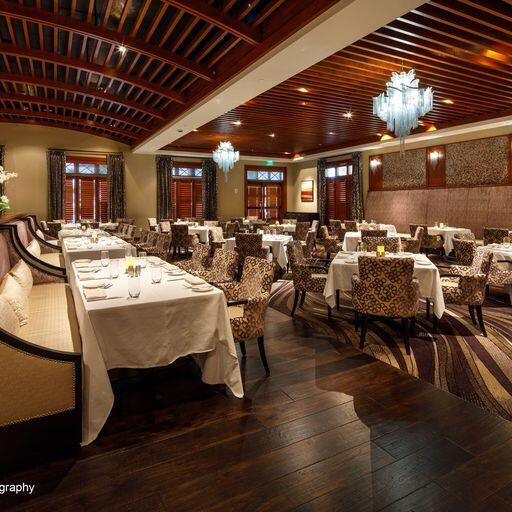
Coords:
462,48
122,68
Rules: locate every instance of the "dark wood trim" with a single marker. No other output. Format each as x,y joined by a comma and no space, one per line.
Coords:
78,159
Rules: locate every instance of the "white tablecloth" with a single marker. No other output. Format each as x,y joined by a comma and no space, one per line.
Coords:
166,322
389,227
276,242
501,253
201,232
290,228
74,232
353,237
103,225
341,272
80,248
447,233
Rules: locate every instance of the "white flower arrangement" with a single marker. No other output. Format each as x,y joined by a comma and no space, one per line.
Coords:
5,176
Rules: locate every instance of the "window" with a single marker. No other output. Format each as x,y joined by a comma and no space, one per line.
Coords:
187,191
86,189
265,192
339,190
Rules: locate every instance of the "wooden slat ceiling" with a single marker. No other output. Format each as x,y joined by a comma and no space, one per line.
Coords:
463,49
122,68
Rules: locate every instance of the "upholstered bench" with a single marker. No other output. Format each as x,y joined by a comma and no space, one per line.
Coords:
40,354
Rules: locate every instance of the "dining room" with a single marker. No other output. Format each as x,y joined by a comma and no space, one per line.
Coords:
255,255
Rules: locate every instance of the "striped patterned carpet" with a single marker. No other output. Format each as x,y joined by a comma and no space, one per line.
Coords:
459,360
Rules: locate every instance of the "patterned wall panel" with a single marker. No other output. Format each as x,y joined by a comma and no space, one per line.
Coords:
404,171
477,162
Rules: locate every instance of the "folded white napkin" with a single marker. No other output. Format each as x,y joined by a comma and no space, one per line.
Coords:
193,280
83,265
88,270
95,294
87,276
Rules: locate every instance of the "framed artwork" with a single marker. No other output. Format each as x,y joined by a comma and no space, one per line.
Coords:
306,191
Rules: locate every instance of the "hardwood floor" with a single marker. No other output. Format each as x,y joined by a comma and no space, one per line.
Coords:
330,429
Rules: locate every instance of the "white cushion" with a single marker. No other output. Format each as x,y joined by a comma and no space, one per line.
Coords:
53,258
16,297
40,234
21,272
34,248
8,320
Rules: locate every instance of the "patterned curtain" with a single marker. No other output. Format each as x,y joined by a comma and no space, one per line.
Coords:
163,186
321,190
116,189
209,189
56,160
357,205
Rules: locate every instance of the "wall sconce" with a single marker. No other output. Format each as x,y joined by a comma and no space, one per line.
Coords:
374,163
435,156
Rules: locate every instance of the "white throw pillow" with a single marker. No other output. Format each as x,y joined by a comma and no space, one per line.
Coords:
8,320
11,291
34,248
40,234
21,272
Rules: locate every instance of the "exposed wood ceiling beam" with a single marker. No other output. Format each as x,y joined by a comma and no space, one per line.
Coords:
101,33
77,89
219,19
90,67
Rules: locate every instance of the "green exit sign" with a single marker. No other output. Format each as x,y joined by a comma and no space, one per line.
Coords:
269,163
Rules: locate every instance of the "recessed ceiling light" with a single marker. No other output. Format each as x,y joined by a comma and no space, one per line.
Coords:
272,135
237,123
379,134
304,103
298,156
448,101
122,49
286,153
431,128
332,133
195,130
421,123
302,89
347,115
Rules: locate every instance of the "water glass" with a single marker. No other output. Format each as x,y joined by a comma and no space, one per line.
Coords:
105,258
114,269
156,274
142,259
134,286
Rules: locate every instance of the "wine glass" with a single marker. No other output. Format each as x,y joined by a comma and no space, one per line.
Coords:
142,259
134,285
114,269
156,274
105,258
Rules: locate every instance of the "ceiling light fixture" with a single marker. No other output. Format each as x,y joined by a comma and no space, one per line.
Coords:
402,104
386,137
297,157
332,133
347,115
431,128
122,49
237,123
302,89
448,101
272,135
226,157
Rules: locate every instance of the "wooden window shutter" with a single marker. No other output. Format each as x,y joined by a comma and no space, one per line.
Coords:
198,198
87,199
331,199
103,199
69,209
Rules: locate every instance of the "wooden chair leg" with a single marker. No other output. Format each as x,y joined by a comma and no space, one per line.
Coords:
405,335
481,320
261,346
364,327
472,314
356,320
302,299
295,301
337,300
243,349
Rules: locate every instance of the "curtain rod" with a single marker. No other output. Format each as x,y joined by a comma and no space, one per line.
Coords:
85,151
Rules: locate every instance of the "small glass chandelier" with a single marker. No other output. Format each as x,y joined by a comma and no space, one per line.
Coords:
226,157
403,103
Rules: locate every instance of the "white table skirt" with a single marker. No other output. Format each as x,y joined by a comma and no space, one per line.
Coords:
166,322
201,231
276,242
353,237
448,234
340,275
501,253
73,250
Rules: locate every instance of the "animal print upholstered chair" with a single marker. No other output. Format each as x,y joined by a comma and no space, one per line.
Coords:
389,244
198,260
385,288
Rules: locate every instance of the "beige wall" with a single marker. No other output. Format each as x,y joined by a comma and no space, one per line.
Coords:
297,173
25,153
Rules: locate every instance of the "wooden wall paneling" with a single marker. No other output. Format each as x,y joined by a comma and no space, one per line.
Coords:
376,173
436,167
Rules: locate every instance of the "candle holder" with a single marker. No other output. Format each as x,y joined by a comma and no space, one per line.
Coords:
441,225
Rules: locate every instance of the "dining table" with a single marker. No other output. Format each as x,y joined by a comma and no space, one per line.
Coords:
352,238
75,248
346,264
179,316
277,243
448,233
390,228
502,258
